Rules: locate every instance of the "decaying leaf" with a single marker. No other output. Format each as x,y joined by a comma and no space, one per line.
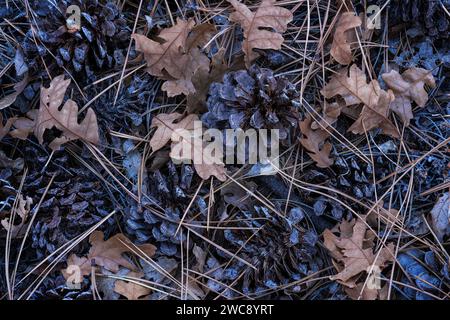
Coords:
167,130
408,87
166,126
353,255
344,36
255,25
207,166
440,216
22,210
314,142
354,90
202,80
131,290
176,56
107,254
50,116
330,114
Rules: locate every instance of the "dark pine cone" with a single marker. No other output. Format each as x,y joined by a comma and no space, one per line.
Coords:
281,252
253,99
429,14
54,288
169,190
75,201
100,43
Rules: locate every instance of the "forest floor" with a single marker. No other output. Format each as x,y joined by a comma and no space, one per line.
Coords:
100,99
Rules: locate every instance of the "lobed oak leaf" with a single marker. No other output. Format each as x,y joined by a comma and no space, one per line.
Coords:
353,255
107,254
176,57
408,87
255,25
130,289
202,80
166,126
188,147
344,35
66,119
354,89
314,142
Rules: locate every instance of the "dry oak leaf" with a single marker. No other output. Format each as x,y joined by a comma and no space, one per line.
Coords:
344,36
255,25
202,80
314,142
175,57
107,254
166,127
353,253
205,167
66,119
354,90
440,216
408,87
131,289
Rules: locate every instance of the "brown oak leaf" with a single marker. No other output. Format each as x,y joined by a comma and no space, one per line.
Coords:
202,80
344,36
353,254
314,142
66,119
130,289
355,90
255,25
184,147
166,127
408,87
107,254
176,55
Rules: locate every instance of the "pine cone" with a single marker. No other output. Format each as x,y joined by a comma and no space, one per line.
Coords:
100,41
167,189
74,202
280,251
253,99
428,14
54,288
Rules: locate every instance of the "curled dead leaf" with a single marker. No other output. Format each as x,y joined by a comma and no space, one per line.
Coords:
344,36
256,25
176,56
107,254
314,142
408,87
131,289
353,255
353,88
